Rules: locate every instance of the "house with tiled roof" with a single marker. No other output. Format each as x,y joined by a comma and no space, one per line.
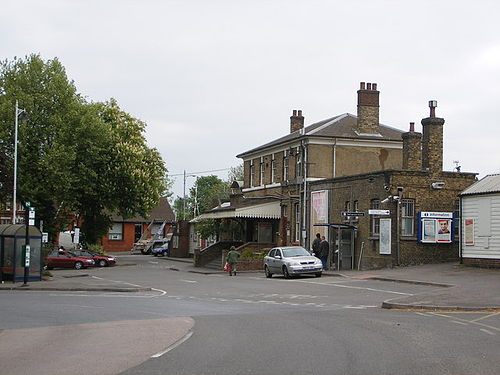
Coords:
124,232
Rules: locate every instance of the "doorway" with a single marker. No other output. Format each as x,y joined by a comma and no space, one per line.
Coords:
344,241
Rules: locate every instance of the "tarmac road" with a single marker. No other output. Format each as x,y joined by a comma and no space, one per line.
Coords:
94,348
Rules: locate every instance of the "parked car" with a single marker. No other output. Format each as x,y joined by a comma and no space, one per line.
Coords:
160,250
100,259
65,259
291,260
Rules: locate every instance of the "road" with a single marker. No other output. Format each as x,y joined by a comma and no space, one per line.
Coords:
214,324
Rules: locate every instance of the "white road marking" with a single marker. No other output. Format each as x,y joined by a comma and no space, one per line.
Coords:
488,332
189,281
172,347
423,314
457,322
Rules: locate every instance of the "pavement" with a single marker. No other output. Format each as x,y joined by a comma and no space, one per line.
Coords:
452,286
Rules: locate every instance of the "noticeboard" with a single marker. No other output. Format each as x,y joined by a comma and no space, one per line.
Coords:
435,227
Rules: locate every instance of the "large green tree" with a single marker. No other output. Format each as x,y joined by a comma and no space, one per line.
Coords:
76,158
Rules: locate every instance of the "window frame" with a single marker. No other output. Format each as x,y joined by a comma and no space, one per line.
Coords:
406,216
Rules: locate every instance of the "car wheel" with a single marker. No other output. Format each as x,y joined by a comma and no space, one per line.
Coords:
285,272
102,263
78,265
155,254
318,274
267,272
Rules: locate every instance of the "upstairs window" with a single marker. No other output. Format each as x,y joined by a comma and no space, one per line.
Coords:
273,170
262,171
285,166
252,174
298,169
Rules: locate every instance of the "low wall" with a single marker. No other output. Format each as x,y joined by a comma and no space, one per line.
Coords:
250,265
481,262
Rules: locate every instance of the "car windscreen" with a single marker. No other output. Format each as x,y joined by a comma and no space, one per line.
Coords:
295,252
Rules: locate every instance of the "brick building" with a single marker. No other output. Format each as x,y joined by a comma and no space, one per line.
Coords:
125,232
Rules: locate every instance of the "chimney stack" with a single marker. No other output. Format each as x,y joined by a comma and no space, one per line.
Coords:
432,141
412,149
296,120
368,109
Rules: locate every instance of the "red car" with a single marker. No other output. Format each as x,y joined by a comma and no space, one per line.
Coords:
99,259
65,259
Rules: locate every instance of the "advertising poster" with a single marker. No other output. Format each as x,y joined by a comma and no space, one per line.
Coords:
469,232
385,236
444,230
319,213
429,230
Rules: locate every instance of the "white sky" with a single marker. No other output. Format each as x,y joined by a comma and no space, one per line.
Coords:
216,78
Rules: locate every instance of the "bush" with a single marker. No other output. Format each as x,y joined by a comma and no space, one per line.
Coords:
98,249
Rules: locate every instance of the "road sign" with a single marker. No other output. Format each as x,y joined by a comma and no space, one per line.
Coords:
27,204
27,256
346,213
379,212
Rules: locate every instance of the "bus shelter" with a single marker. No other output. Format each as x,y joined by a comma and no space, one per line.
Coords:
12,241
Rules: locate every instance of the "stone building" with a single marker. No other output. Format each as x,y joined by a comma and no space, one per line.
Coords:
308,180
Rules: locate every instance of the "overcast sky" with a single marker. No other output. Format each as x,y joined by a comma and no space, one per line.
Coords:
215,78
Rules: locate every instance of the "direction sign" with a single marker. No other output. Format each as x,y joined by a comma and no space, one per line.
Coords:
379,212
346,213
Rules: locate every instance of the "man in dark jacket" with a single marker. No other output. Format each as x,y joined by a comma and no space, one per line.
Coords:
324,249
315,245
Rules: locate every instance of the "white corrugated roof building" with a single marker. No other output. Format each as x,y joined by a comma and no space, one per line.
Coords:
488,185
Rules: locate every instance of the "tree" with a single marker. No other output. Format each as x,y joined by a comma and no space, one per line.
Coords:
76,158
236,173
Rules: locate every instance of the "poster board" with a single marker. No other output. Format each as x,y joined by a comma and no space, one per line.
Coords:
469,232
385,237
319,213
435,227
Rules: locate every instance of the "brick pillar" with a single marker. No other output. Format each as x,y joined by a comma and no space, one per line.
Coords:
432,142
412,149
296,121
368,109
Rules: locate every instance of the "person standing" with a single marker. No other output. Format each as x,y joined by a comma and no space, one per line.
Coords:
232,260
315,245
324,249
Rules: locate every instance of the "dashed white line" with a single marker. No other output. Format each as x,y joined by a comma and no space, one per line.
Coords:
486,331
457,322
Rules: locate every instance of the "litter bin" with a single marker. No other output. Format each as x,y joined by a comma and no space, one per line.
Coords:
12,241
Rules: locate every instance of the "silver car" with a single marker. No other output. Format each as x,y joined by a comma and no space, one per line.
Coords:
291,260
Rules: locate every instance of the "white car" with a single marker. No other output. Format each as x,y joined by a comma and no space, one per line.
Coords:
291,260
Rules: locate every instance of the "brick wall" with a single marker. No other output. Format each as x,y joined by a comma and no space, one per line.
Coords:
481,262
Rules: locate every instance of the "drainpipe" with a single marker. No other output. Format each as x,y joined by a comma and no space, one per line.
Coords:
398,228
460,248
304,205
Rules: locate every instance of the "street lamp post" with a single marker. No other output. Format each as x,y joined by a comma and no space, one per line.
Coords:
14,203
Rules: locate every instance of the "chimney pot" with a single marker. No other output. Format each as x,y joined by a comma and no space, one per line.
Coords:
368,86
294,113
412,126
374,86
361,85
299,112
432,106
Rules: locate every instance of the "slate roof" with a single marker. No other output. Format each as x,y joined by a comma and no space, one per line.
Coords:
341,126
487,185
161,212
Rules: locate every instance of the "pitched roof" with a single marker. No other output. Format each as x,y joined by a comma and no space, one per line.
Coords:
488,184
161,212
341,126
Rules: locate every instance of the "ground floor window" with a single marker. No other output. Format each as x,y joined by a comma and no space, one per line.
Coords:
116,232
407,217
